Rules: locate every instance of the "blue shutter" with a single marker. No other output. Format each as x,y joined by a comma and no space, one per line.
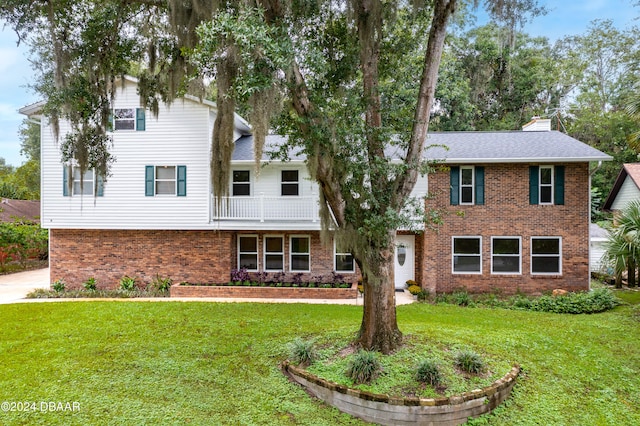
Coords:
534,187
479,185
65,181
182,181
99,186
140,121
454,178
558,185
110,126
149,181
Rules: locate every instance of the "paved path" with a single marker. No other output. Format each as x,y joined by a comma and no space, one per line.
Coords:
14,287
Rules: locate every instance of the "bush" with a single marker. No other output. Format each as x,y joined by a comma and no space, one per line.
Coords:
414,289
588,302
58,286
127,283
161,284
90,284
429,372
469,361
302,352
364,367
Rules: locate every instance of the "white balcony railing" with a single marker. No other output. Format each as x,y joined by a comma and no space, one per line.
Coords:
263,208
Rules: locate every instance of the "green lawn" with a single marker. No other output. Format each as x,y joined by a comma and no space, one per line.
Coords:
217,364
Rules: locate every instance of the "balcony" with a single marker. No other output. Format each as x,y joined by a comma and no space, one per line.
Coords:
264,209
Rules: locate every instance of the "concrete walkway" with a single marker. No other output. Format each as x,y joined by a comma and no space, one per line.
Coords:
14,288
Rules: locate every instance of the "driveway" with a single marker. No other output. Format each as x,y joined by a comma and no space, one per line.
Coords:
14,287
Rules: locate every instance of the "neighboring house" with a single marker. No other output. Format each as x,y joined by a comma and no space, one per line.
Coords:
19,210
598,240
625,189
516,208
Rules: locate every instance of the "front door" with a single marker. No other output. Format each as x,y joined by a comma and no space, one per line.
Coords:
405,265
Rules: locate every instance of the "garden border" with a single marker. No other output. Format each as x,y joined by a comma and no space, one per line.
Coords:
256,292
386,410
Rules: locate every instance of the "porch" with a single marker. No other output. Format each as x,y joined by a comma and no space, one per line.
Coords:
266,208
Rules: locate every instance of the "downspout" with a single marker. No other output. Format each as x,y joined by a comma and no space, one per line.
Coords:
591,173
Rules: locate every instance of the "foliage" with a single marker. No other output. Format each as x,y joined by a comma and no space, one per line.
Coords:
302,352
469,361
428,371
364,367
240,275
58,286
127,283
622,248
414,290
20,241
161,284
90,284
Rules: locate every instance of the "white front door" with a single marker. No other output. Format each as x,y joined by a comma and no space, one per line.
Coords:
405,265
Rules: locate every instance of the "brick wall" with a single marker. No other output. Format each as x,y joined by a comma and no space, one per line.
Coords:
507,212
191,256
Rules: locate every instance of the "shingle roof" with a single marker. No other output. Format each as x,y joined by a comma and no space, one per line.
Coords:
474,147
13,210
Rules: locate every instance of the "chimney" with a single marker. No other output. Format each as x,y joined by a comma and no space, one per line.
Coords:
537,124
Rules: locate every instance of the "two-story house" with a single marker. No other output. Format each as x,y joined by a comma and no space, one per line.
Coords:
516,209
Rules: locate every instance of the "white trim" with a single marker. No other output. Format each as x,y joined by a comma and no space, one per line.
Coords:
519,255
250,183
552,185
473,185
297,182
156,180
453,254
291,253
559,255
257,253
265,253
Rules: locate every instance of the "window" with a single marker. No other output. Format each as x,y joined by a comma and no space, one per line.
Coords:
505,255
289,183
467,255
546,255
546,185
166,180
300,249
129,119
248,252
241,185
273,253
88,182
467,185
343,261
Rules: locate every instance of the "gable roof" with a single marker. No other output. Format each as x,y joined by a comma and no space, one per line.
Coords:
471,147
12,210
632,170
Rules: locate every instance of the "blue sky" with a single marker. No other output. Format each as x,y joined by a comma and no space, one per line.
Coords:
568,17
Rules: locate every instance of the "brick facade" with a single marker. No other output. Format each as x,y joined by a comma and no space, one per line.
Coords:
191,256
507,212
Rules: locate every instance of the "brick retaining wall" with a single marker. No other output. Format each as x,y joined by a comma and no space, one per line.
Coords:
178,290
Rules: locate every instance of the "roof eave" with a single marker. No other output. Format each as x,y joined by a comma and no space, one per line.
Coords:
477,160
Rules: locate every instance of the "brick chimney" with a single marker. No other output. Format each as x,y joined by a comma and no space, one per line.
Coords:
537,124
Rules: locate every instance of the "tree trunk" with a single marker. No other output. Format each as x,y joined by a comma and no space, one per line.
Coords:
631,273
379,329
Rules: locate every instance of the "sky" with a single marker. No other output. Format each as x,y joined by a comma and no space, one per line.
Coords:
567,17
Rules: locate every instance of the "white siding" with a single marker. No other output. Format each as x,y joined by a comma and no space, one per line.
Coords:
628,192
179,136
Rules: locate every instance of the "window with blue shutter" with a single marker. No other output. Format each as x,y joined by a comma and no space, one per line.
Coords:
149,181
65,181
467,185
140,119
165,180
127,119
182,181
546,185
72,185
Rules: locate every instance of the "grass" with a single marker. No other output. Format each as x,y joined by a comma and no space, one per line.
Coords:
137,363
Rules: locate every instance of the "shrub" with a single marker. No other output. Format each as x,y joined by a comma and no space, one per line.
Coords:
161,284
127,283
589,302
410,283
423,295
90,284
364,367
429,372
469,361
461,298
414,289
302,352
240,275
58,286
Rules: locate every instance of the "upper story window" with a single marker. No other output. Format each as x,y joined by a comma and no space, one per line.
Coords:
467,255
290,184
467,185
505,255
85,186
129,119
546,185
166,180
241,185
